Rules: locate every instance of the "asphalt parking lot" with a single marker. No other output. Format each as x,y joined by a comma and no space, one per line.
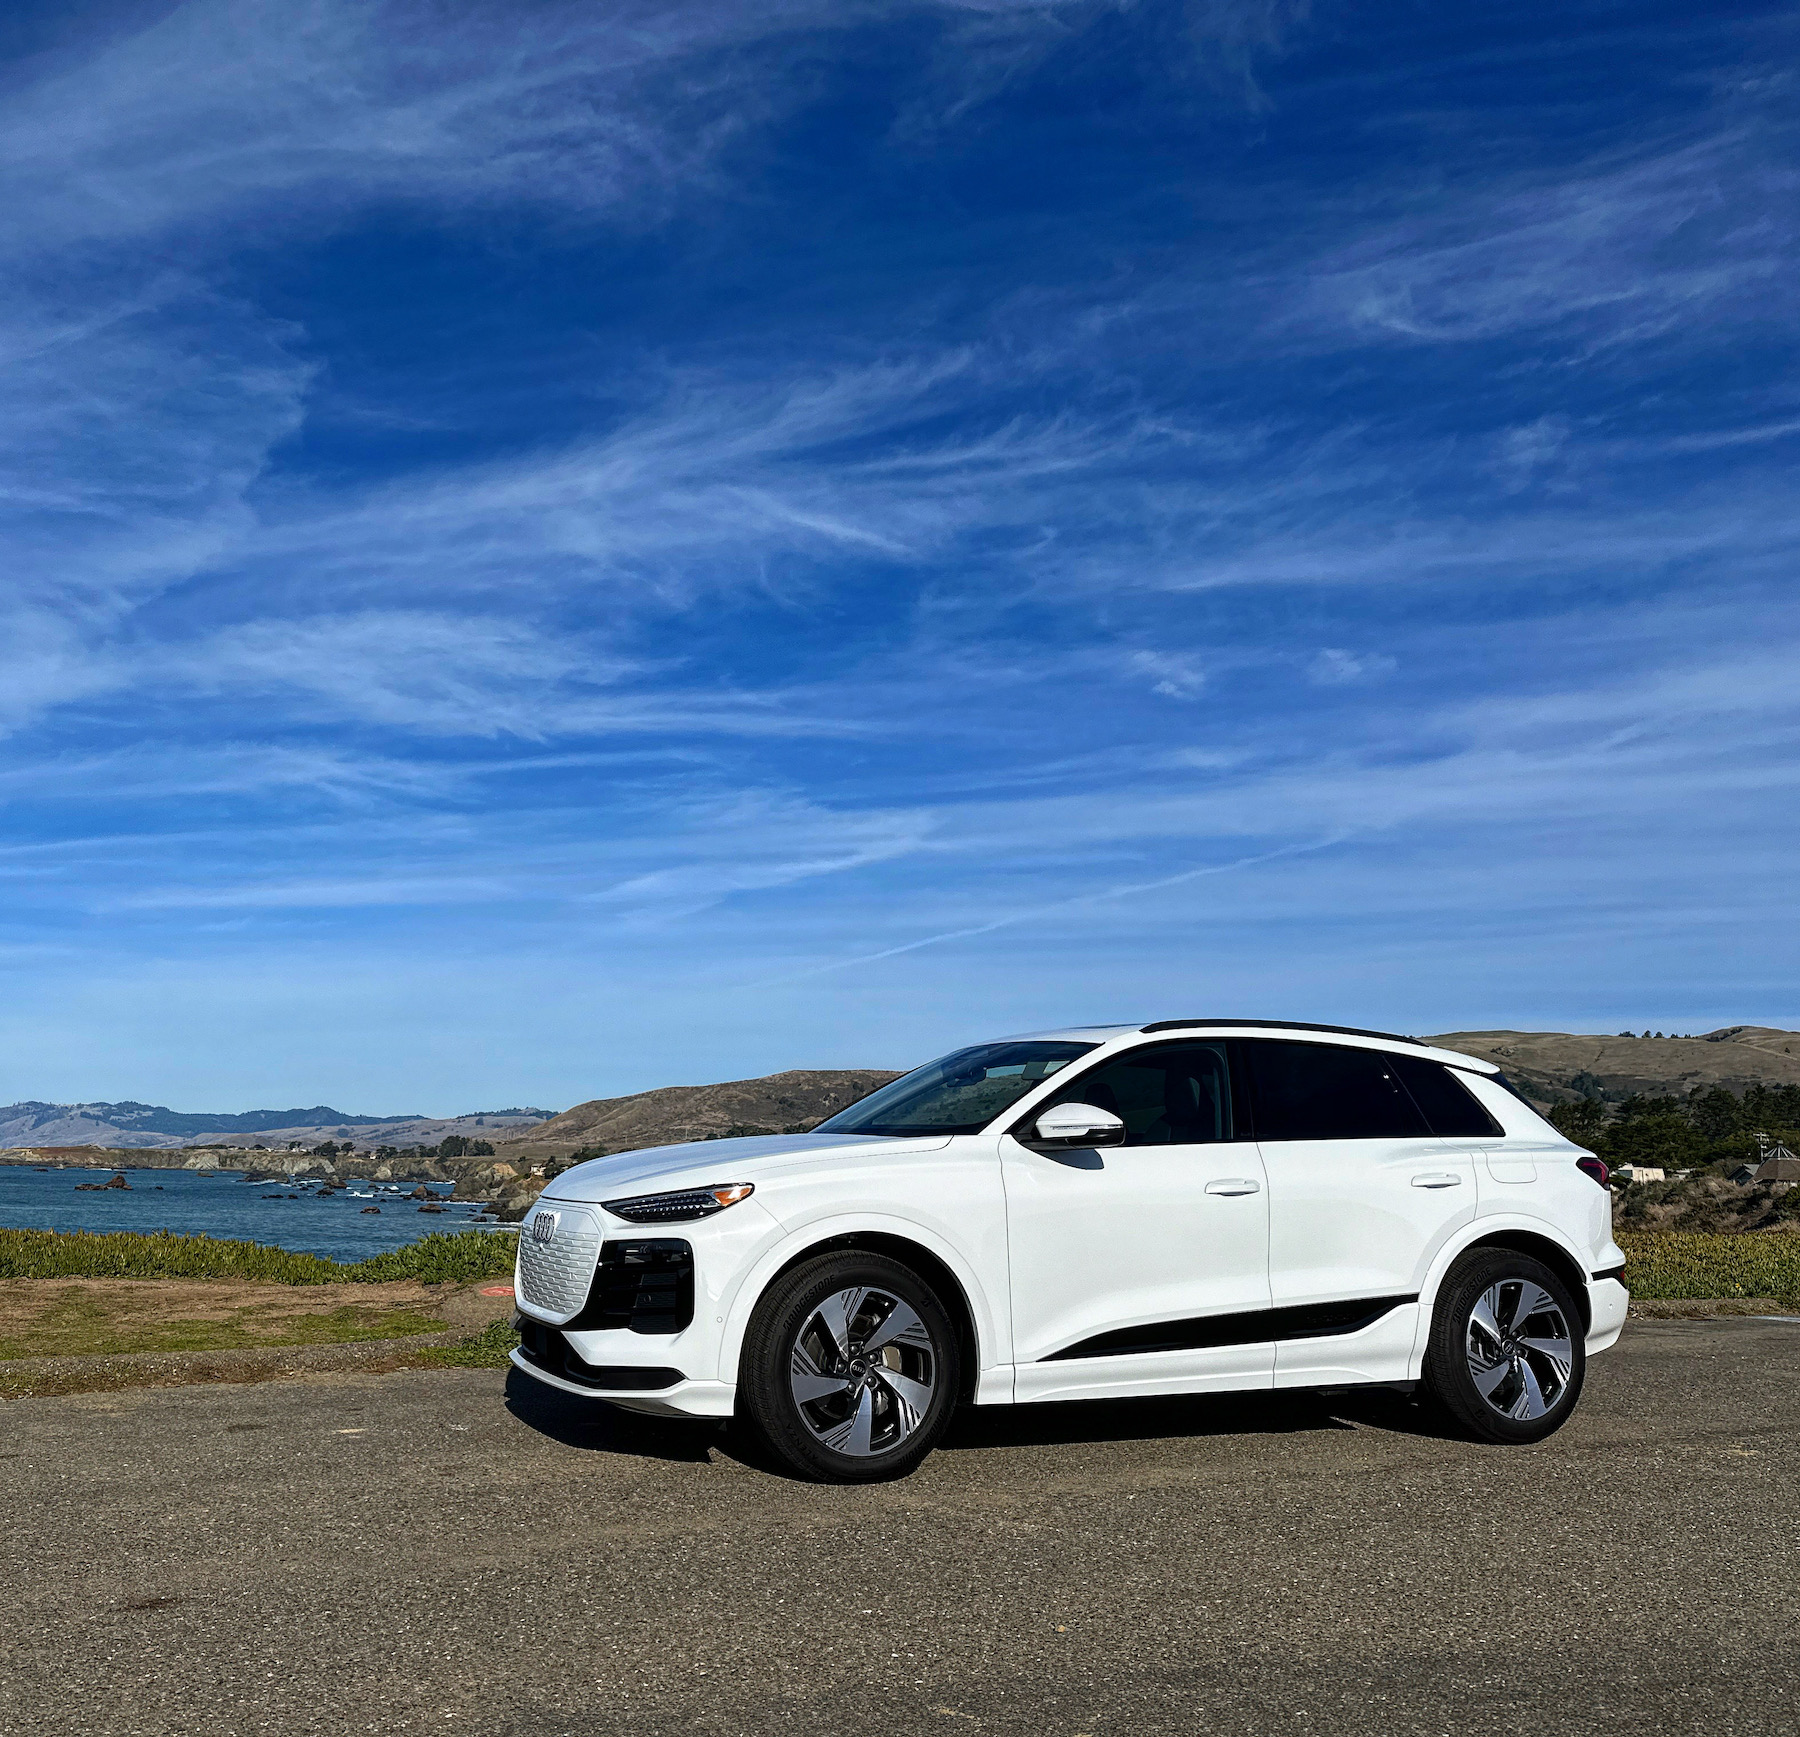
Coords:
456,1551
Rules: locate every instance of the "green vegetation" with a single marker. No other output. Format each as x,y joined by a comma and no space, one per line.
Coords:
1707,1128
451,1146
459,1258
1679,1263
748,1130
82,1325
487,1349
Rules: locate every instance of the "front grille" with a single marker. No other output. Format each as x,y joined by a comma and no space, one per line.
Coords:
547,1349
554,1276
645,1285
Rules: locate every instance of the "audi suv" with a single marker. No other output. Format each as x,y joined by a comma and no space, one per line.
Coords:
1190,1206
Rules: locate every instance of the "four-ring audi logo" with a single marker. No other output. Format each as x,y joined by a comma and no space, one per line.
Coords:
543,1227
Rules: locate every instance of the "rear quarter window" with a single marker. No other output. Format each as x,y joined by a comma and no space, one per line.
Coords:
1447,1104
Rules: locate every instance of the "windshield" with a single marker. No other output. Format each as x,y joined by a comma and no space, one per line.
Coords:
957,1094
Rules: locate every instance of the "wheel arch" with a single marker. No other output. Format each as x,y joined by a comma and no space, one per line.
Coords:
1557,1256
897,1243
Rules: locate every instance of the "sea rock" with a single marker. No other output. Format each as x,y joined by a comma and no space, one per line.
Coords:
431,1206
371,1209
421,1193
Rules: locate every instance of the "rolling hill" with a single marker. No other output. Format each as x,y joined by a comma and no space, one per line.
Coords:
1556,1066
777,1103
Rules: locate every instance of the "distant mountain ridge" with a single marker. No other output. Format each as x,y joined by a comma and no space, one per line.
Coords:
159,1119
128,1123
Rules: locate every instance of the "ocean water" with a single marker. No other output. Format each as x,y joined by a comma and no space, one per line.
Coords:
221,1203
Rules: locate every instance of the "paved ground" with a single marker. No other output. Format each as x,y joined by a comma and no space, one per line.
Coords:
429,1552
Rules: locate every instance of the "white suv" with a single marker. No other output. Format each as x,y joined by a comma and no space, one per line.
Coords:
1193,1206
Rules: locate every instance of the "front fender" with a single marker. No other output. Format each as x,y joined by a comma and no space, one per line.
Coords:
992,1338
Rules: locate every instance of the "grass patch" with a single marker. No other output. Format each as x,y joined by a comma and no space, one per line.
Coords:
84,1326
487,1349
1683,1263
459,1257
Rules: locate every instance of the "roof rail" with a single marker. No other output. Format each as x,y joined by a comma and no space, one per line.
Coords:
1284,1025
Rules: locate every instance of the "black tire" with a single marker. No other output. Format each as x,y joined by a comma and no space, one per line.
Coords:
1506,1358
883,1386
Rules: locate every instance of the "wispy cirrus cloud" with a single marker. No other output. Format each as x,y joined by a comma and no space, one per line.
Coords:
1051,503
1617,253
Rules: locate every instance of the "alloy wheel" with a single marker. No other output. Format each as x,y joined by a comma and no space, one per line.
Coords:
863,1371
1519,1348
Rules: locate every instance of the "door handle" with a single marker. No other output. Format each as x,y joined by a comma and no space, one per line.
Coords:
1437,1179
1233,1185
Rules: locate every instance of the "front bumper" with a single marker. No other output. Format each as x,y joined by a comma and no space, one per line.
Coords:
685,1397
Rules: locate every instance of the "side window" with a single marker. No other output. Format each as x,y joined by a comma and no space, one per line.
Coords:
1449,1105
1317,1091
1174,1096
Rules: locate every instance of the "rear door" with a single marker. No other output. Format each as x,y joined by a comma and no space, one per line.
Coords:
1362,1195
1143,1267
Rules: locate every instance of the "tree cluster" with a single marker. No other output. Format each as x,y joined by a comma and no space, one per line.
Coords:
1710,1126
452,1146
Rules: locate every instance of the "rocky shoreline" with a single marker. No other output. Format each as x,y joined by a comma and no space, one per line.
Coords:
509,1186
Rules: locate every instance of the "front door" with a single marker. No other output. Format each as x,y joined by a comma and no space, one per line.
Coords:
1142,1268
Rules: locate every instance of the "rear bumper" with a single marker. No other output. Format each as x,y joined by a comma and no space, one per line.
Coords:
1609,1300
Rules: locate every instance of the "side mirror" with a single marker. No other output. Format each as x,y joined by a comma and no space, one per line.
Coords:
1078,1125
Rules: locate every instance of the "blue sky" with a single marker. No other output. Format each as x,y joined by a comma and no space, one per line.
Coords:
550,550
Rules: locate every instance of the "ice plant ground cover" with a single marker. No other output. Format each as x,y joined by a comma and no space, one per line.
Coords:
459,1258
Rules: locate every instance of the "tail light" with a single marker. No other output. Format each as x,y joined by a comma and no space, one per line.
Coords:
1592,1166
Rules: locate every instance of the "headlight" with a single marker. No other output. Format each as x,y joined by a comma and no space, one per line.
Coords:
684,1203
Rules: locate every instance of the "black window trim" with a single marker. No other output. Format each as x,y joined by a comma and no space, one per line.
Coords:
1243,1096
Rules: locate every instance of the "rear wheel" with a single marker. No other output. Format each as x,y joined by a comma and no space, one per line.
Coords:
1506,1358
850,1369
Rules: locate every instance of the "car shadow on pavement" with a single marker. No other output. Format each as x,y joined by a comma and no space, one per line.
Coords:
1189,1415
597,1427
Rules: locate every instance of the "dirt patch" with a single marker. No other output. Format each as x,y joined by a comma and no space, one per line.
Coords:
1704,1308
40,1377
65,1318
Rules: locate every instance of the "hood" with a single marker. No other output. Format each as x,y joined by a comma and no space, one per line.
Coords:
696,1163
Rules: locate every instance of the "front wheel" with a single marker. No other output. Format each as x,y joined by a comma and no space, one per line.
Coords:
850,1369
1506,1358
